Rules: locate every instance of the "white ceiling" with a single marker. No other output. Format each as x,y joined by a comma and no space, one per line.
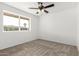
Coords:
59,6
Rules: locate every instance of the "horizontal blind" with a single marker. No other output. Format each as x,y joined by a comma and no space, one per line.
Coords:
11,15
15,16
24,18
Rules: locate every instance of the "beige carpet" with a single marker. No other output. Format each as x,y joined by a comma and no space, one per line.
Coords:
40,48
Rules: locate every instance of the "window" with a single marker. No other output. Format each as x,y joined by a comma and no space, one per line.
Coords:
24,24
12,22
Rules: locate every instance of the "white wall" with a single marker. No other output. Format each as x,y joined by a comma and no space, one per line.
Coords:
8,39
78,26
59,26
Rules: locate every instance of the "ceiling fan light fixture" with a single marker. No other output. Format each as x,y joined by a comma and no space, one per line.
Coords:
42,9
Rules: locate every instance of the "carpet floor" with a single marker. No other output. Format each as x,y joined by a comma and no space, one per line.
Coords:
40,48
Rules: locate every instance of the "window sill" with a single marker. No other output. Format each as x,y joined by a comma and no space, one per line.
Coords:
17,31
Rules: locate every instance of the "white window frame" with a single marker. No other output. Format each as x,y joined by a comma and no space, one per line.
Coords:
29,20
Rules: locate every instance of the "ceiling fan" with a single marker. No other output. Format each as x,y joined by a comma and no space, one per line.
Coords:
41,7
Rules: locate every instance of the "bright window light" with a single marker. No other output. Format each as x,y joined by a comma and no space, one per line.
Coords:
24,24
12,22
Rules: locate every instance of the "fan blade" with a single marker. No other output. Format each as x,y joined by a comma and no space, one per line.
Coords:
33,8
45,11
51,5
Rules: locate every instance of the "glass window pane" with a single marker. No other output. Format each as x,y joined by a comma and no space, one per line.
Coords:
10,23
24,24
